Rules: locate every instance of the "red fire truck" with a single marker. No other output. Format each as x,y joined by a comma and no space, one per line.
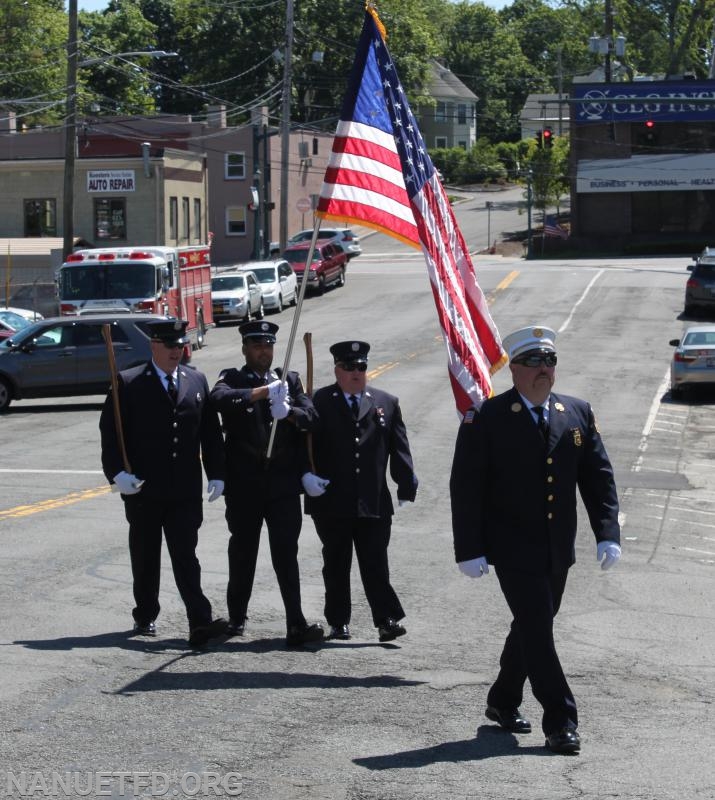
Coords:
158,280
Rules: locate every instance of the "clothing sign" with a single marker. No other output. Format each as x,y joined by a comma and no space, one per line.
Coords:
110,180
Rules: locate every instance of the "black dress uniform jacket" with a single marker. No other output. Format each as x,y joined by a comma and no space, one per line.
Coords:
247,427
514,498
165,445
354,454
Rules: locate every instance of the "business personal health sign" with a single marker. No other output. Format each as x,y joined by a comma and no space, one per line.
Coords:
661,101
647,173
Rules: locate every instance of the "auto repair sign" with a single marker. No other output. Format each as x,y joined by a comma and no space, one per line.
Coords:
110,180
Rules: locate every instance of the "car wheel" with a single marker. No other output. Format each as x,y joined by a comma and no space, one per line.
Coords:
321,285
200,331
279,307
5,395
260,313
341,278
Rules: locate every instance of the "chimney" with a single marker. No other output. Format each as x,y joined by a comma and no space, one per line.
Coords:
8,122
259,115
216,116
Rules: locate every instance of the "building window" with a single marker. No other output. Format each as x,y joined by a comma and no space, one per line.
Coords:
236,221
110,219
462,113
197,219
440,141
440,112
40,218
185,219
235,166
462,144
173,218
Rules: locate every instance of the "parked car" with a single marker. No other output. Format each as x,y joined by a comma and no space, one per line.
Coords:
39,297
345,237
11,323
327,267
278,282
693,359
30,316
236,296
700,287
66,356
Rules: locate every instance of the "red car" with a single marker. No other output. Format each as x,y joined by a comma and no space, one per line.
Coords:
11,323
327,267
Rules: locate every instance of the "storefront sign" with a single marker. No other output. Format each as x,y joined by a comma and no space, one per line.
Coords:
110,180
661,101
666,173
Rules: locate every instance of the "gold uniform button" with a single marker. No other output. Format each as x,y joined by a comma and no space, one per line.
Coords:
550,498
550,479
550,515
549,460
357,470
173,455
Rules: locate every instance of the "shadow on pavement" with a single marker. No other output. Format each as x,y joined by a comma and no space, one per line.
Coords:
124,639
490,742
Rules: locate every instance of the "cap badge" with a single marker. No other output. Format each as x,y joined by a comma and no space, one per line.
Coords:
178,326
538,332
264,326
355,346
516,407
559,406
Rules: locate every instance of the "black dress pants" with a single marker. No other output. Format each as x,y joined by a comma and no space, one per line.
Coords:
180,523
529,649
283,519
371,538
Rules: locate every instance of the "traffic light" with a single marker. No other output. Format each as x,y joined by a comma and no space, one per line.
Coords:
649,130
539,136
548,137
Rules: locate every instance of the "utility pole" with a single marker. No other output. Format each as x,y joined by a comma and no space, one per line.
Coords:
70,133
609,39
529,203
285,124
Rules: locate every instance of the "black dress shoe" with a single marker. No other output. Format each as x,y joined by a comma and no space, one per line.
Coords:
390,629
339,632
145,629
203,634
508,718
236,627
564,741
302,634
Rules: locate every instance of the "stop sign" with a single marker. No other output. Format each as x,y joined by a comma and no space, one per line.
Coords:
303,204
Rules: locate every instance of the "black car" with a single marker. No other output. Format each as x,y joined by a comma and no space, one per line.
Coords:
700,287
67,356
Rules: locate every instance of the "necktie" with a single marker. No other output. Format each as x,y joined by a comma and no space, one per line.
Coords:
171,388
541,422
354,405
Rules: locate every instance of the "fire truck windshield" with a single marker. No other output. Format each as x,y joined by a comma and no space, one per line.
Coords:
107,281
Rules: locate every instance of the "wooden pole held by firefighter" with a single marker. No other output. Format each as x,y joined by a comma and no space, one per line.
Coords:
107,335
308,342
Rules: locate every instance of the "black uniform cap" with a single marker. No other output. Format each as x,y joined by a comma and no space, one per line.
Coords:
258,331
172,331
350,352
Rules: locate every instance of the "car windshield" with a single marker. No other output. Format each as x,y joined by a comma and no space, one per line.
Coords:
13,320
265,274
227,282
298,256
107,281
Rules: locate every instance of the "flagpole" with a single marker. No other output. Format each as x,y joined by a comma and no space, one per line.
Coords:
294,325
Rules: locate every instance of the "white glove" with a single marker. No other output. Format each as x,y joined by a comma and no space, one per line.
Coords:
128,484
215,490
610,550
313,484
277,391
280,409
475,567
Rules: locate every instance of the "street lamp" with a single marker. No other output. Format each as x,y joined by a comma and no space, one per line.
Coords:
71,122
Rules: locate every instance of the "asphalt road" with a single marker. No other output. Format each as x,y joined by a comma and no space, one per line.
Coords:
358,720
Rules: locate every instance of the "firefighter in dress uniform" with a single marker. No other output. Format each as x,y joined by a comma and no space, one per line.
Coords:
359,432
169,428
260,489
517,464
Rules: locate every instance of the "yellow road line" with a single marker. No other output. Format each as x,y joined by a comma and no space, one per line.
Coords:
52,503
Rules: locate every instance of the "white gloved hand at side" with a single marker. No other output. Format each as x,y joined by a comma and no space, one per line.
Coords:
277,391
127,484
280,409
611,551
475,567
215,490
313,484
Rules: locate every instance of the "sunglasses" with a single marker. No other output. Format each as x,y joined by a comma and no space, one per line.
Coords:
173,346
547,359
360,367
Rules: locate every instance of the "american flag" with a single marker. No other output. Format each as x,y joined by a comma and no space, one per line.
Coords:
552,228
380,175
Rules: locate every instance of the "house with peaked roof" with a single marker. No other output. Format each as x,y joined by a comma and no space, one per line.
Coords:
544,111
452,121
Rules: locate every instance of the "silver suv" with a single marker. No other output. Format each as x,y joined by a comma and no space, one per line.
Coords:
67,356
344,237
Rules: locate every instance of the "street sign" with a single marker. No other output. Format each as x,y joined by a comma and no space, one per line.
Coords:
303,204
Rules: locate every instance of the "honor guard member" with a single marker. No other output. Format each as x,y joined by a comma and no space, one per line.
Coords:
168,428
360,430
260,489
517,464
